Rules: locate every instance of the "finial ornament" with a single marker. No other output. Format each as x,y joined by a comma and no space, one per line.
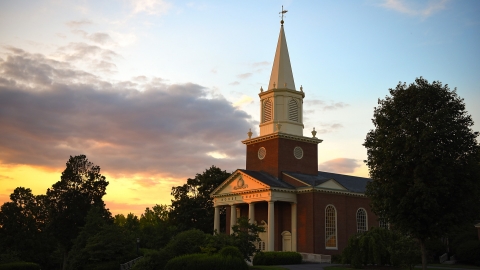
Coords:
301,90
249,133
283,13
314,133
261,89
285,85
279,126
273,85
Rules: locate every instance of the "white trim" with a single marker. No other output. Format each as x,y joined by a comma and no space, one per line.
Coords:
366,219
336,227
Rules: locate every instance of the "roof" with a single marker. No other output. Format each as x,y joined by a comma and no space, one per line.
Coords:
267,179
281,70
351,183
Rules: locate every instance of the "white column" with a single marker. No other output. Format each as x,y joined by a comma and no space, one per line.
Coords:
294,227
251,213
271,226
233,217
216,220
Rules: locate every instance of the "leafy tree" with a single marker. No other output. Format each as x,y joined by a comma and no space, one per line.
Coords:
424,161
81,187
155,230
245,235
192,207
22,227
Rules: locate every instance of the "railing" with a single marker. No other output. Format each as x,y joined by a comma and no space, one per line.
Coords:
130,264
443,258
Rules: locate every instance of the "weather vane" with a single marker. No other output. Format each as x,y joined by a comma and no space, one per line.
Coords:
283,13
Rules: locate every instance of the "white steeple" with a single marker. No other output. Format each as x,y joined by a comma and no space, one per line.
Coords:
281,70
281,106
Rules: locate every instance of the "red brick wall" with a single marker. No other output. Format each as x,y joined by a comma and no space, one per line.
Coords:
280,157
305,213
346,207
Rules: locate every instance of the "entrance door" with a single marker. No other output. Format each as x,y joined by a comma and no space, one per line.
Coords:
286,241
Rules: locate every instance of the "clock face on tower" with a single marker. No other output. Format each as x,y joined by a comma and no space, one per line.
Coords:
262,152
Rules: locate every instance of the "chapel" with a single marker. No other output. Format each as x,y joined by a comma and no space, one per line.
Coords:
301,209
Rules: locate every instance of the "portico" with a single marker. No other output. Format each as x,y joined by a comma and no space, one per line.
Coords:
248,190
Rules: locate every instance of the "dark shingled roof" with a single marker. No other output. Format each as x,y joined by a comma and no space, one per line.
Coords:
267,179
351,183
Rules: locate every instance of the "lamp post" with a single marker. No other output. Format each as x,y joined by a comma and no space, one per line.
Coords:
138,243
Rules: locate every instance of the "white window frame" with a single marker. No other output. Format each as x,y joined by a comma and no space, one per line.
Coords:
336,227
360,221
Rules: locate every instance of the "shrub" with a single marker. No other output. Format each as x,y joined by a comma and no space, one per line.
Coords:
206,262
380,246
231,251
187,242
469,252
277,258
153,260
19,266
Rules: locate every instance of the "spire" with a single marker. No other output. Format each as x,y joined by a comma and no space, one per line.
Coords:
281,70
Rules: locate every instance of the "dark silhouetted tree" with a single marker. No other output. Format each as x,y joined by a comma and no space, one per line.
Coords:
424,161
81,187
192,206
22,227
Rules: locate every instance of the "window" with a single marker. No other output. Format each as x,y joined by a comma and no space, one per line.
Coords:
383,223
292,110
267,111
330,227
361,220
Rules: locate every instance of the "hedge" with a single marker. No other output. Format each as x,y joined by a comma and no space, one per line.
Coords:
277,258
206,262
19,266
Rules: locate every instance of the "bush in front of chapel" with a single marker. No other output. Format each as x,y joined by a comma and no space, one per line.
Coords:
277,258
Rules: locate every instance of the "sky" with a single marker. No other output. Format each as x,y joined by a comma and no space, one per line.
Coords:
156,91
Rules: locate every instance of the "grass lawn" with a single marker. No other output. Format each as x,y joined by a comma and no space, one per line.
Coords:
440,266
265,267
432,266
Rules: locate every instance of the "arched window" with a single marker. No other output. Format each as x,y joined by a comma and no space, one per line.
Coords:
293,110
330,227
383,223
361,220
267,111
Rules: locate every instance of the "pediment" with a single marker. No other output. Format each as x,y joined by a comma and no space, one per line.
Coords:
331,184
238,182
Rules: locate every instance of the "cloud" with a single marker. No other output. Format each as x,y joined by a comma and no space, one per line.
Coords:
147,183
234,83
261,64
50,110
243,100
157,7
95,57
340,165
76,24
4,177
324,106
244,75
327,128
414,10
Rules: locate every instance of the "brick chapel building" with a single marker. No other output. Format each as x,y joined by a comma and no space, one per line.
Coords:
301,209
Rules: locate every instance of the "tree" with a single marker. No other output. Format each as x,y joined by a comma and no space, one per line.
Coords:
245,235
22,227
192,206
81,187
424,161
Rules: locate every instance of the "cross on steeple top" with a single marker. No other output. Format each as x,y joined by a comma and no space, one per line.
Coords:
282,13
